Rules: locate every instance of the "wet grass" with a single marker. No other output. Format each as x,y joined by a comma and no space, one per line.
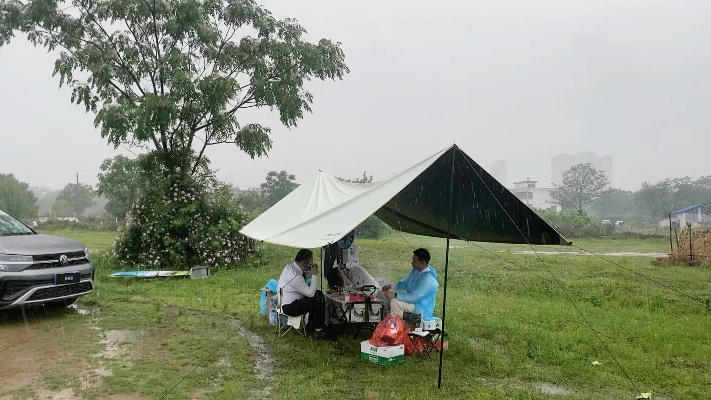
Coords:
514,330
95,241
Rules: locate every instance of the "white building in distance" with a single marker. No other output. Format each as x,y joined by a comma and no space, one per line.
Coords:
535,197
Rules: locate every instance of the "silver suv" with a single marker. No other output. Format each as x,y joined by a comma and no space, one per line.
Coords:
37,268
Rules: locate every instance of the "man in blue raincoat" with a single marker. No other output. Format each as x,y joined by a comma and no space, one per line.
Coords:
416,293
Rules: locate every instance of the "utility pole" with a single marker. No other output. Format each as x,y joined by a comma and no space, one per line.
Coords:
76,193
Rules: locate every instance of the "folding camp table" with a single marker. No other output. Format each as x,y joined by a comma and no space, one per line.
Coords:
344,308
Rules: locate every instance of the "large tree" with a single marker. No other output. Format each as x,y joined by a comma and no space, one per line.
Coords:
62,208
79,196
16,198
277,186
581,185
171,75
615,203
120,181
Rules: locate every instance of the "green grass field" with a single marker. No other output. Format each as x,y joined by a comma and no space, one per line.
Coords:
514,330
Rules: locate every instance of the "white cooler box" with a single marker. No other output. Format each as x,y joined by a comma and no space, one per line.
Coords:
432,324
357,313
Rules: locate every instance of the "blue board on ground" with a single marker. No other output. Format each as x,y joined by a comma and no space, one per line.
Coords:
152,274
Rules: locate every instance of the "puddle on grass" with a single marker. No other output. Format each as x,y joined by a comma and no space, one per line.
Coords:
114,339
81,310
63,394
549,388
545,388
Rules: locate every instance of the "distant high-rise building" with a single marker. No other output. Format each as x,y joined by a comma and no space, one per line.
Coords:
604,164
563,162
498,170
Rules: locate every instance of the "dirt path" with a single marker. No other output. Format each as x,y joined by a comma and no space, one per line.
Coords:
264,362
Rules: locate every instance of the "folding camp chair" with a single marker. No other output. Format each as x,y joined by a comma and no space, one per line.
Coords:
297,323
424,342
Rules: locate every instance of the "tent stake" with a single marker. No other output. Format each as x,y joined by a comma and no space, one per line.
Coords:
446,266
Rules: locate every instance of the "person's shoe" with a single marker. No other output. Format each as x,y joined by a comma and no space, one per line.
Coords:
320,334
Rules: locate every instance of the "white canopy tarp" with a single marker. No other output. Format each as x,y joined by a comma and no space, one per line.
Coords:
324,209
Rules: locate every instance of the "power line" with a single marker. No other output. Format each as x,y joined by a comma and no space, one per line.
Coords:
607,349
643,276
203,362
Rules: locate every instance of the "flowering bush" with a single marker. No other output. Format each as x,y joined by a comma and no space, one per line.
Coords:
179,222
572,224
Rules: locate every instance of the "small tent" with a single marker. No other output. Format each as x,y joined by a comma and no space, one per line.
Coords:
446,195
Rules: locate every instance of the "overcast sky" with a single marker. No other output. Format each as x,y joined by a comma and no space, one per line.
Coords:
516,80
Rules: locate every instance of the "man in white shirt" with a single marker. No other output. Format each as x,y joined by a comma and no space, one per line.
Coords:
299,297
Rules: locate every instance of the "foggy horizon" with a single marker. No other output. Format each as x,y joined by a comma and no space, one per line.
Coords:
508,81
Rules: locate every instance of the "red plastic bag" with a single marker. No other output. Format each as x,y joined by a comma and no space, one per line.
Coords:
389,332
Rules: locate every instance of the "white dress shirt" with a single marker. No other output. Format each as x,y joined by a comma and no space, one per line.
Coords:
293,285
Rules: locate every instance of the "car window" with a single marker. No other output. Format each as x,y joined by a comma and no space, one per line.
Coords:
10,226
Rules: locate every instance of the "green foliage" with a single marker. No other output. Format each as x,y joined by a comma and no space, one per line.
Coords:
572,224
251,201
182,221
62,208
170,76
659,199
120,180
615,204
45,201
89,224
581,185
372,228
277,186
164,73
79,196
16,198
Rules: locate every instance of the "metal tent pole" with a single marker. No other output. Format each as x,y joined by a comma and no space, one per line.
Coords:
446,266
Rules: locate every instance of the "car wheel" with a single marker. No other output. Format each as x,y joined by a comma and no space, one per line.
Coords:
60,303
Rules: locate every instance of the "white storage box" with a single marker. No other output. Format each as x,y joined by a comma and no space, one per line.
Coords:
384,351
386,355
432,324
199,272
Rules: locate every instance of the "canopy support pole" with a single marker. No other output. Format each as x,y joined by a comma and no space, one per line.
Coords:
323,260
446,266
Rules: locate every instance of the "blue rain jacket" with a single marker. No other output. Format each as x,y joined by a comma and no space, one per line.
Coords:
420,289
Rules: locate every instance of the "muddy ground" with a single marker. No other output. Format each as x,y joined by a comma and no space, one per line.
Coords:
65,354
